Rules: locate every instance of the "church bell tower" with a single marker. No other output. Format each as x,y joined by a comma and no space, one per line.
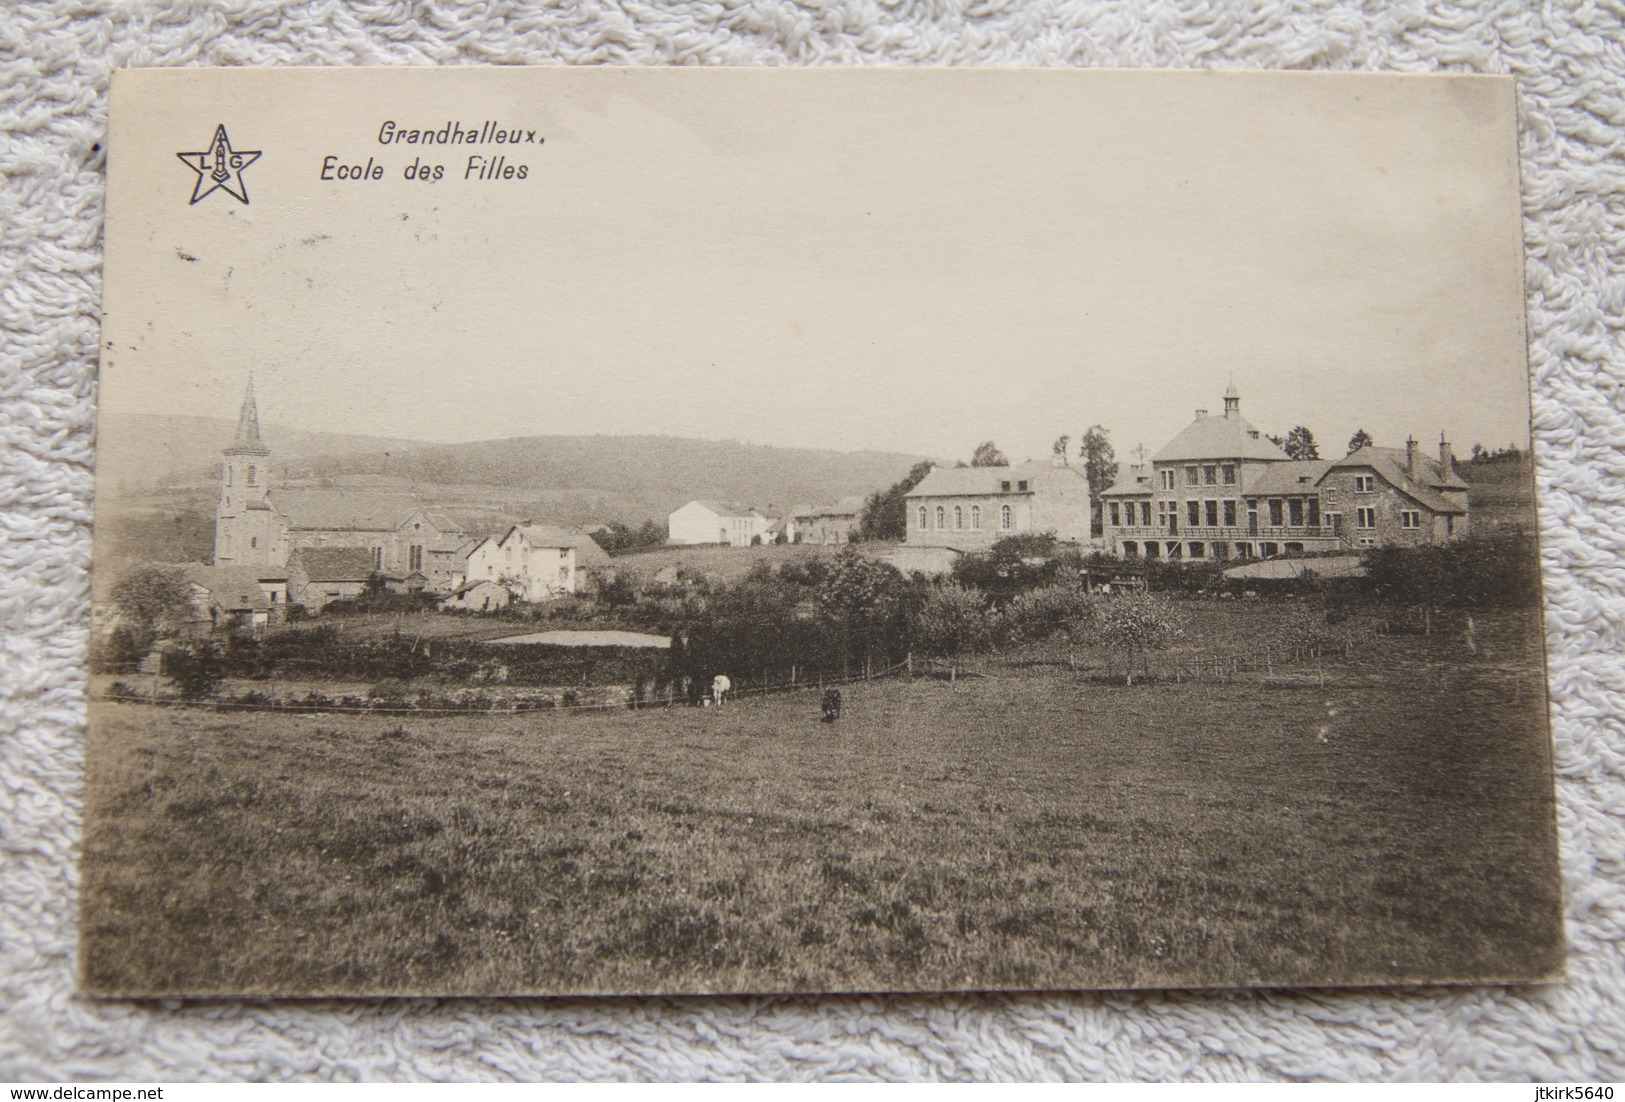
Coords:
242,529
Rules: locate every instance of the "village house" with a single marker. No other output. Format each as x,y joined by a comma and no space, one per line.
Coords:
318,576
1221,489
716,522
237,596
969,508
826,524
535,562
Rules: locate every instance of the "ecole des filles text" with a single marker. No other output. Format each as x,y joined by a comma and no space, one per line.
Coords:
477,166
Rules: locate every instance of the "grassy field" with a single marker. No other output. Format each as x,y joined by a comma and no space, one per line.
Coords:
1033,831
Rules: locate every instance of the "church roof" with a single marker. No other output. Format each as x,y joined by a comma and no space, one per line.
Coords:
335,564
342,510
1212,436
247,441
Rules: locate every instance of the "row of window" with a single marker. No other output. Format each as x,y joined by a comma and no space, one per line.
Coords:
1288,513
924,517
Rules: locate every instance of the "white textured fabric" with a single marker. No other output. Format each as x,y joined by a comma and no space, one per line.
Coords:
55,57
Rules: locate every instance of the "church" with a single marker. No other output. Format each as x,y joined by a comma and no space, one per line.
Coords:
260,525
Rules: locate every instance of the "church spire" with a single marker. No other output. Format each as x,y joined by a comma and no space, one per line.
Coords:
248,440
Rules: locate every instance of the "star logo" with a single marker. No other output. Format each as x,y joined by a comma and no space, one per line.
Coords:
219,168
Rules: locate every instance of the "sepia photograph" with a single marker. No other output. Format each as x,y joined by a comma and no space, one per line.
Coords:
615,531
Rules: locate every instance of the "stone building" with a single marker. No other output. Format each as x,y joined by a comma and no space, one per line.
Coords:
1221,490
969,508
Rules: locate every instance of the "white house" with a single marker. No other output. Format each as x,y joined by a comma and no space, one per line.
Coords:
536,561
969,508
718,522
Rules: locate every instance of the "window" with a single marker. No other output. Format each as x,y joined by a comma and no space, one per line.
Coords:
1198,551
1229,474
564,574
1294,510
1365,484
416,557
976,517
922,516
377,558
1006,518
1145,513
1193,513
1314,512
1005,486
1410,518
1211,513
253,475
1167,479
942,518
253,541
1229,514
1191,476
959,518
1210,475
1365,517
1131,549
1367,541
1022,486
1117,519
1449,525
1275,512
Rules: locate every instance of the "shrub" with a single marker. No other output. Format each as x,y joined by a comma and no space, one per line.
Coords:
951,619
1039,613
1134,625
197,669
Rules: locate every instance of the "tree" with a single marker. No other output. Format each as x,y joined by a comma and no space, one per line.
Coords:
1360,439
949,620
1059,448
1100,465
1134,625
987,454
885,513
1300,444
151,602
1278,441
197,669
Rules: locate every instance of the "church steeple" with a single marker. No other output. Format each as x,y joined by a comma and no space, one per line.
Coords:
248,441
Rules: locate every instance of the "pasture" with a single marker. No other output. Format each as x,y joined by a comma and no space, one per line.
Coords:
1029,830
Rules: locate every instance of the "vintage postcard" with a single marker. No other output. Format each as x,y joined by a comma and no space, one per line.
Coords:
575,531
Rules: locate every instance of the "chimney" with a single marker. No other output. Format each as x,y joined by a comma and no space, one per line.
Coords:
1201,413
1413,459
1447,458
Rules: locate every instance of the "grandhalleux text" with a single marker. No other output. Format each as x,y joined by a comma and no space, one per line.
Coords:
454,133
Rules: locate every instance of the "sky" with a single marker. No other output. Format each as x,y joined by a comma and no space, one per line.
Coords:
903,260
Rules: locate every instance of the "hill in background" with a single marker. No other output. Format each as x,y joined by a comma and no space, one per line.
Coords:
563,479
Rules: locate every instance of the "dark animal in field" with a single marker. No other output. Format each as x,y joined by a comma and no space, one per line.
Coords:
832,705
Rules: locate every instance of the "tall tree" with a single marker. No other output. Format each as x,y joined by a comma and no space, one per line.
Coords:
987,454
1100,466
1360,439
885,513
1062,443
1300,444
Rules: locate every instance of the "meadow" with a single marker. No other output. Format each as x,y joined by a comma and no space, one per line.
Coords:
1029,830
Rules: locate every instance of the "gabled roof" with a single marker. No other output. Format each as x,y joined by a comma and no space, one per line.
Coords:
235,587
1295,476
845,507
439,521
334,564
1219,436
984,481
1391,465
727,509
1134,480
342,510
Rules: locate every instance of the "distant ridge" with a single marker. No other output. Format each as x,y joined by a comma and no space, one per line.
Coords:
566,479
